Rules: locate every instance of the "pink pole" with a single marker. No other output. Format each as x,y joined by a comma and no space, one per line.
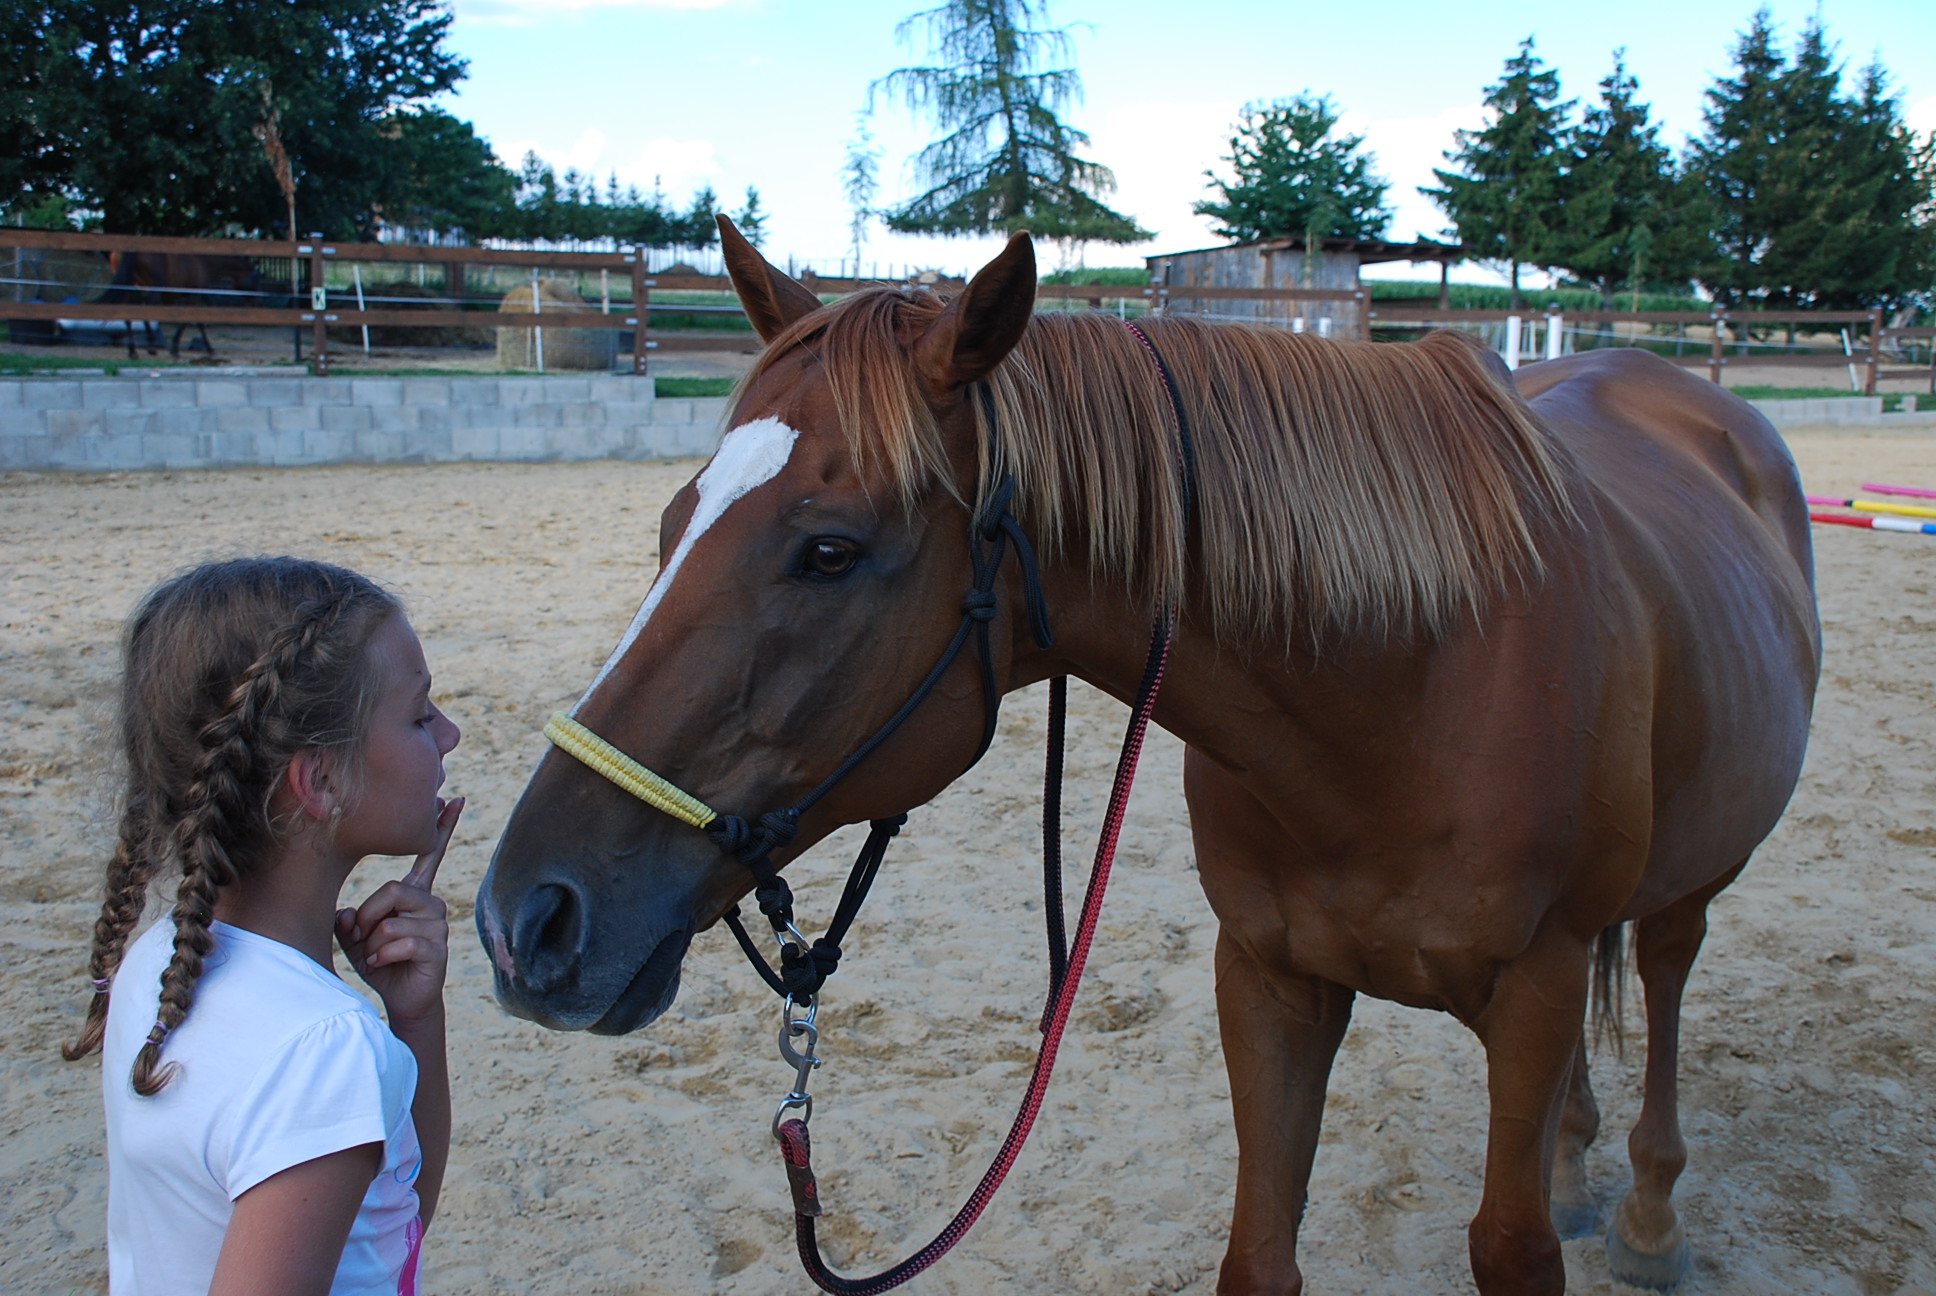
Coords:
1881,488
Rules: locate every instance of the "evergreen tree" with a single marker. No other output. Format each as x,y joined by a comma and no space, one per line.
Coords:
1503,195
1293,173
751,219
1005,160
1619,219
1818,198
859,182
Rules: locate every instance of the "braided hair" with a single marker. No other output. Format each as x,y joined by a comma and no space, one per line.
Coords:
229,670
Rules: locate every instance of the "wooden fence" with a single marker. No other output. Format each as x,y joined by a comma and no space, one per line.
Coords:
312,305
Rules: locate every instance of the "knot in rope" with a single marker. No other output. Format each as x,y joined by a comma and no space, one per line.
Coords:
775,899
979,604
804,971
736,837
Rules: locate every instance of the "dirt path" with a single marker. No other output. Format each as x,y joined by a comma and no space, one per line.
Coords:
642,1164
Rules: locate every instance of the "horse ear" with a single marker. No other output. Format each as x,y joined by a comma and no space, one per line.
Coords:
772,300
983,324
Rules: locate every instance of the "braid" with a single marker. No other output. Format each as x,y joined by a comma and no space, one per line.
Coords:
129,873
216,813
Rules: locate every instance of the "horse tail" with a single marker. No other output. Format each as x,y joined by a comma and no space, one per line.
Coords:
1610,988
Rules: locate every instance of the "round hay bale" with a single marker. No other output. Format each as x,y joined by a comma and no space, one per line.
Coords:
564,348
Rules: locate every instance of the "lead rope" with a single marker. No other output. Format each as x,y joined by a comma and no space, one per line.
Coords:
796,1146
1065,965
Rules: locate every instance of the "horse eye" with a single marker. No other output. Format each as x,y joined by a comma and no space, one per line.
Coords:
828,557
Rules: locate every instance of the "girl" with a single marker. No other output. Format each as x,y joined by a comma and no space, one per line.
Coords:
266,1133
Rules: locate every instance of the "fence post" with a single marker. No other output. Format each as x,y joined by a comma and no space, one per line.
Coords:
1875,348
1512,341
1714,357
641,308
537,308
318,304
1555,334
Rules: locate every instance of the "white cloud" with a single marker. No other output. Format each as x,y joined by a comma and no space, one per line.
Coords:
1921,116
680,165
1159,151
524,13
1408,148
586,150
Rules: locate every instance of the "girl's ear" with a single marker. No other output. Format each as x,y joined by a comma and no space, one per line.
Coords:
308,782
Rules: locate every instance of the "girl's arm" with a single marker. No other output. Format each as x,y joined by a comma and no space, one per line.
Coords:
399,940
431,1110
287,1232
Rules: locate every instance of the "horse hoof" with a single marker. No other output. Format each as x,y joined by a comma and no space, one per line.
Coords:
1576,1219
1656,1271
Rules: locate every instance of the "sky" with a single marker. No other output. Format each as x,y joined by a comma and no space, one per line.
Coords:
768,93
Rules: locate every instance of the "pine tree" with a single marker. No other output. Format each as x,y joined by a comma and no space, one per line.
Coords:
1819,198
1617,219
751,218
859,182
1505,189
1293,173
1005,160
1746,162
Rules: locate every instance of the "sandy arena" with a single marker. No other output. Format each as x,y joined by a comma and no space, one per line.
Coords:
643,1165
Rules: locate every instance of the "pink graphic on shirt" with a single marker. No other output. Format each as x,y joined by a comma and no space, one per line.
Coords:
407,1280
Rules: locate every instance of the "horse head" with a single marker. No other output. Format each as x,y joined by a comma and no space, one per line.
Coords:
810,576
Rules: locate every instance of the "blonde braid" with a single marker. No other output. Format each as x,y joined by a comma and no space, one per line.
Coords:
216,813
129,873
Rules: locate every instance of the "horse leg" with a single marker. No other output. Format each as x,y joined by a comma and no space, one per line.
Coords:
1531,1032
1645,1246
1280,1035
1575,1212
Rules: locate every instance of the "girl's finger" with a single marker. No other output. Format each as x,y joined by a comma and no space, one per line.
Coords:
424,872
407,949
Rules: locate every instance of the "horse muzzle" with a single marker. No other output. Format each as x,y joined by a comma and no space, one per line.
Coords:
552,964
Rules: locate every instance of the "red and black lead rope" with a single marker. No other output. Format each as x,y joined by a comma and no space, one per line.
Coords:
1065,963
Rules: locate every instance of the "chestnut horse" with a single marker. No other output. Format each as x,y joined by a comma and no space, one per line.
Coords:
1470,676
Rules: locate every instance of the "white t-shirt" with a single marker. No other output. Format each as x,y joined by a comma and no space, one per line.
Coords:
281,1063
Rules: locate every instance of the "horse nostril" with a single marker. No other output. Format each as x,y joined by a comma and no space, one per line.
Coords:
548,937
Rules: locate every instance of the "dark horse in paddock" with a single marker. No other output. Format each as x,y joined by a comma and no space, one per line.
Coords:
181,279
1471,676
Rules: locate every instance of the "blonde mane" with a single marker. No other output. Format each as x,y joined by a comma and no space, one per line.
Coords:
1343,489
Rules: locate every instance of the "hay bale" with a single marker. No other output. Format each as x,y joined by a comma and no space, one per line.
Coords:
383,296
563,348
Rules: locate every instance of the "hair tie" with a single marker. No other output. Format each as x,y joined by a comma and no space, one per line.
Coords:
101,985
158,1034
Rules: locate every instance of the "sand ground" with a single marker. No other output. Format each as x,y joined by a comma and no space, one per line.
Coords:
642,1164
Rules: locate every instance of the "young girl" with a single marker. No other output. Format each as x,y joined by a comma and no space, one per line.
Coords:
266,1132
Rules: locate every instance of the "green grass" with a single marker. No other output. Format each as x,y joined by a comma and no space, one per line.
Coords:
1125,276
1763,391
1487,297
689,387
13,364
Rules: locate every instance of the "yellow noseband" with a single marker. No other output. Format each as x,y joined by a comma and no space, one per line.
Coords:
575,740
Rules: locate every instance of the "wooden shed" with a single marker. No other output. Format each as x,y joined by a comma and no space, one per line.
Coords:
1276,281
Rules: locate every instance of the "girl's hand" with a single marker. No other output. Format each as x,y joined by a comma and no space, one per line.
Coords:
399,939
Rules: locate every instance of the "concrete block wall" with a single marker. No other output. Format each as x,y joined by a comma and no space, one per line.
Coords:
208,421
1846,411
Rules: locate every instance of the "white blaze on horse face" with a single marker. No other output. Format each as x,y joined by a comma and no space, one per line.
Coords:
750,456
